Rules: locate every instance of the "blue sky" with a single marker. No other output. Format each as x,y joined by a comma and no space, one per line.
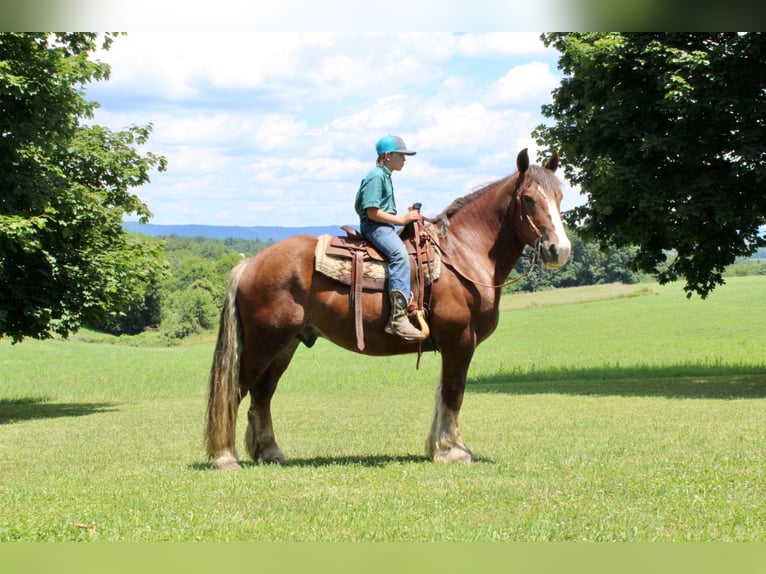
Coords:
279,128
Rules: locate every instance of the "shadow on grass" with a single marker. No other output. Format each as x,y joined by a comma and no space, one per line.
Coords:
367,461
676,382
15,410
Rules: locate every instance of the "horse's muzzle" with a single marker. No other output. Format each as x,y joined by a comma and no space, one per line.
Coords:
555,254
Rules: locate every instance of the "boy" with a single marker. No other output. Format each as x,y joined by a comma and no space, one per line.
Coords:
376,208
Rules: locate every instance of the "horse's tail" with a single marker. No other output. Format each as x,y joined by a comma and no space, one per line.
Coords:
223,402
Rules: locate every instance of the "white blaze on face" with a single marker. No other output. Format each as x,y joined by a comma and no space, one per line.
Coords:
563,245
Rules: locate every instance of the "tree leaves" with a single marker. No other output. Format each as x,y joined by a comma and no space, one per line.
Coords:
64,189
664,134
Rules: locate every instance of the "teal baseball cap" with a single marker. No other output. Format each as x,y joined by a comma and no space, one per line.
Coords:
392,144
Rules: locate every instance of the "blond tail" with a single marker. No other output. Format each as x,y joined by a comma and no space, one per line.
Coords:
223,402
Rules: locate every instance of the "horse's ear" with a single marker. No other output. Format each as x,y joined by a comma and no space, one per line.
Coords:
553,162
522,161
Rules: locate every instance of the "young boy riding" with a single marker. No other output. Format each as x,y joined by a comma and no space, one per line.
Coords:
376,208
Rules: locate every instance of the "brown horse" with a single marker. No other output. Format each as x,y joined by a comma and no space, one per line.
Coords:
276,300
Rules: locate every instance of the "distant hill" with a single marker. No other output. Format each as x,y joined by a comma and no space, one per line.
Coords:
262,233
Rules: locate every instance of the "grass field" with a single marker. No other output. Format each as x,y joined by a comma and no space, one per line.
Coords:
620,413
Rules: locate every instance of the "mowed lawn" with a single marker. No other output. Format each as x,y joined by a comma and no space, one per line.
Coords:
602,414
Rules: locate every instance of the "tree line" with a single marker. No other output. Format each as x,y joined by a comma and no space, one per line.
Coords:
185,297
185,293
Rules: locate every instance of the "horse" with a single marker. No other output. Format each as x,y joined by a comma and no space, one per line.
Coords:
276,301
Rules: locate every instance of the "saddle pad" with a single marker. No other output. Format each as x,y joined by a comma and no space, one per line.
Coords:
374,272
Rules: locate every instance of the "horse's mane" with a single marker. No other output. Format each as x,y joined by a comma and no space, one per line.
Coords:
542,175
442,220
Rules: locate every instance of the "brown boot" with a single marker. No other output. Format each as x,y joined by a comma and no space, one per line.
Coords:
398,323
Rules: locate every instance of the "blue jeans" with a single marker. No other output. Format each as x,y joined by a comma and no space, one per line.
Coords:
385,239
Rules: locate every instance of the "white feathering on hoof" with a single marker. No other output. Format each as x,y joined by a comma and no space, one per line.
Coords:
226,460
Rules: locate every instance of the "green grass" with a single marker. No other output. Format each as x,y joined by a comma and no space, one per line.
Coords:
572,295
637,418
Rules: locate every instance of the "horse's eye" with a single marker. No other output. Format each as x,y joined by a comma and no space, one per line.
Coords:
528,201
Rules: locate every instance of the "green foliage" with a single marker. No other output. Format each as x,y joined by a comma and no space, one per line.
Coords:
179,248
189,270
588,265
191,311
193,293
64,188
184,299
664,133
135,316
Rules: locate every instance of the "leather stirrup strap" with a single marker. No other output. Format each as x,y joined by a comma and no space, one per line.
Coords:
419,258
419,240
357,268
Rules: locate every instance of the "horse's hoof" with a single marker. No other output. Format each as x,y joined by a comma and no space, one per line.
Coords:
226,461
273,457
456,454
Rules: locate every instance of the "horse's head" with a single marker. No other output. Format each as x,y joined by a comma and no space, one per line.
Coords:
538,197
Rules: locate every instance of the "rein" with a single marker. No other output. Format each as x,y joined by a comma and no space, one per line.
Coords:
533,259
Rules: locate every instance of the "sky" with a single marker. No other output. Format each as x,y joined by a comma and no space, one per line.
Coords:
279,128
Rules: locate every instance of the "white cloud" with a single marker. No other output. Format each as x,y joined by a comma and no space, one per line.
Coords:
526,82
207,129
277,132
279,129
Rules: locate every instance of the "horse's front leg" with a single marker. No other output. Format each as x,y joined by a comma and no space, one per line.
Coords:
444,443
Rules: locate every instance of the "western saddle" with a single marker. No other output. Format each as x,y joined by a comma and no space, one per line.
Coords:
354,256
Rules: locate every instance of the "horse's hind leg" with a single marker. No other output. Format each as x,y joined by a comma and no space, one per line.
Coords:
259,438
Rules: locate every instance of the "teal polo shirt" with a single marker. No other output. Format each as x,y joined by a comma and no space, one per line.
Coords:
376,190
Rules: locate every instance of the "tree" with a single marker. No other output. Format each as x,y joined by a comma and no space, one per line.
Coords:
64,188
191,311
587,265
666,136
140,313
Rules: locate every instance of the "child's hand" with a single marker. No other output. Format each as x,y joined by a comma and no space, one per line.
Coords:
411,215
